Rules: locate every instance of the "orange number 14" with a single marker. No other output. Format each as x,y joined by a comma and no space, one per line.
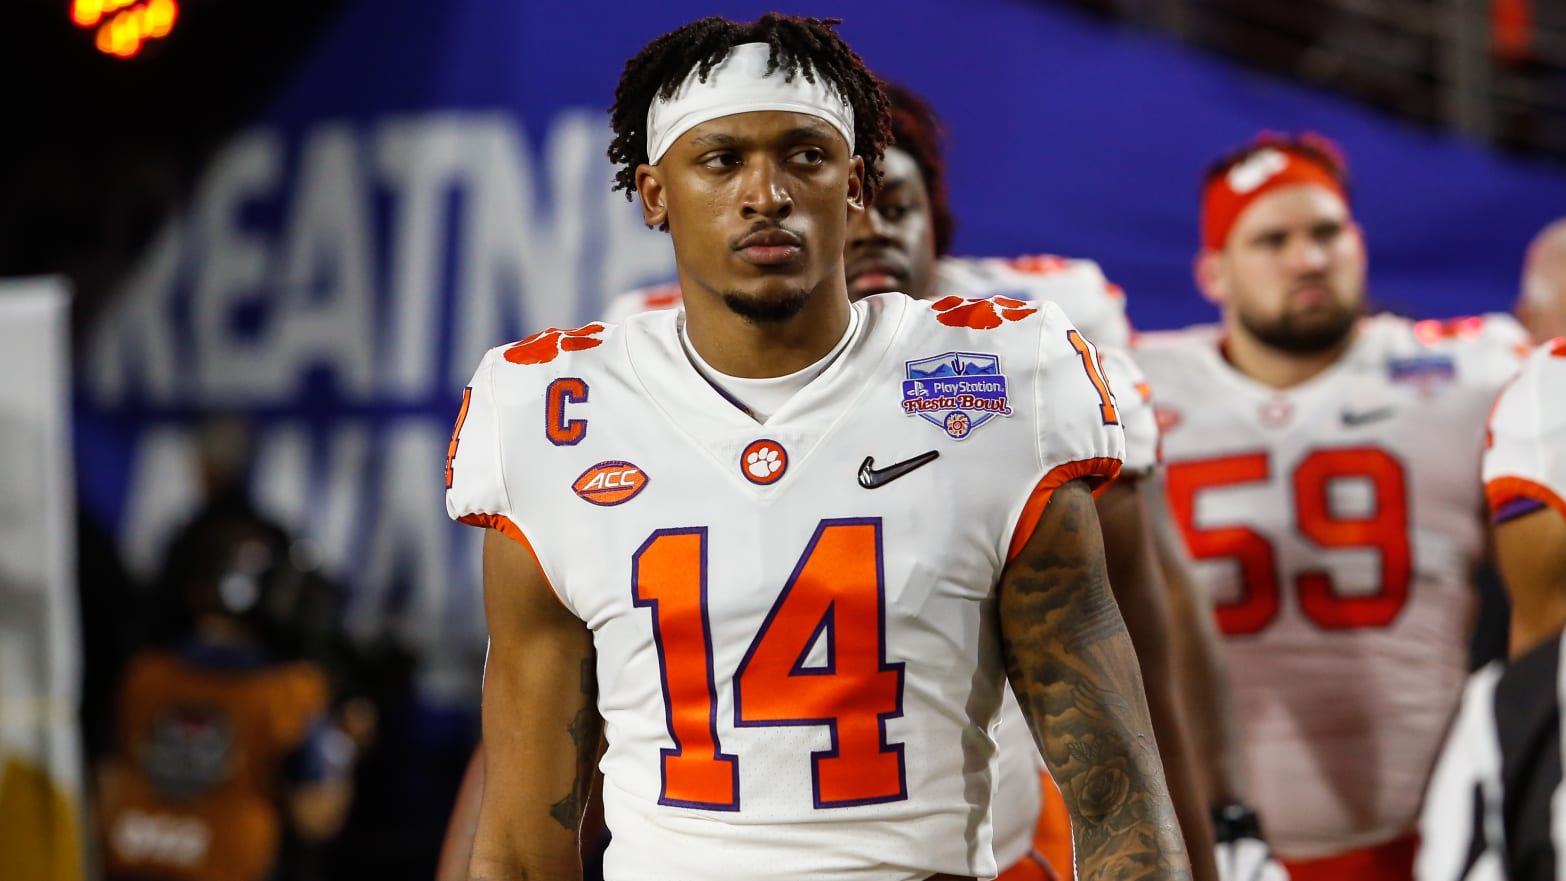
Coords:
835,597
1106,401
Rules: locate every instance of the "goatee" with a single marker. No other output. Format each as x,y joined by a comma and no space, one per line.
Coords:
1311,333
766,310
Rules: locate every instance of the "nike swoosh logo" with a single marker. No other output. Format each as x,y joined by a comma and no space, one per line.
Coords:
1352,418
871,477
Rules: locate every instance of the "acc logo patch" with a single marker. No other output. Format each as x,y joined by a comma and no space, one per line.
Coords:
610,483
546,345
959,391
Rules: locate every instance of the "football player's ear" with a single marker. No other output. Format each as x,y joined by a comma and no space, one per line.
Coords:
1207,269
856,187
649,186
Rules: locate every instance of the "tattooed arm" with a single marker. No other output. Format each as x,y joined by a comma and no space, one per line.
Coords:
541,724
1075,674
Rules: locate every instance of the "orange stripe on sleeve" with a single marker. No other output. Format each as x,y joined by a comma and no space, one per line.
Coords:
1105,468
1502,490
504,525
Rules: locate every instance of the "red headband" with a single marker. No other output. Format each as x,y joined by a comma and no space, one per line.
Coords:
1228,195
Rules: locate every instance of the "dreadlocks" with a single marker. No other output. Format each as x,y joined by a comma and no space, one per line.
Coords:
800,47
916,130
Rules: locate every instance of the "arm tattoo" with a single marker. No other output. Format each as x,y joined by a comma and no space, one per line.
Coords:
1076,676
584,729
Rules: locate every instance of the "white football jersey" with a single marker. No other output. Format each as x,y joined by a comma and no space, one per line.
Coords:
1525,465
753,731
1097,309
1335,524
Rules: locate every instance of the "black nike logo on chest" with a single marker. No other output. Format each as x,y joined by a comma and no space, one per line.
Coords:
1352,418
871,477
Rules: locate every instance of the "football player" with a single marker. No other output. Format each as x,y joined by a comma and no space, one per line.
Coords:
1504,751
1321,465
901,244
807,542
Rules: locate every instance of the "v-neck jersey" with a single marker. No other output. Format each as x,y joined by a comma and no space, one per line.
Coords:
858,536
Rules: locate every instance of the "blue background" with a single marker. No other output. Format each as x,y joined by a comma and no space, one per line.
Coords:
1066,135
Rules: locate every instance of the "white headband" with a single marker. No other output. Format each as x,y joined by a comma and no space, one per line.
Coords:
739,84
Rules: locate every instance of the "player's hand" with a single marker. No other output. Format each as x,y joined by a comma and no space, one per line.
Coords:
1243,854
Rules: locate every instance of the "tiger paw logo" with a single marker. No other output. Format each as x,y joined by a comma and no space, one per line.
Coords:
763,462
546,345
981,314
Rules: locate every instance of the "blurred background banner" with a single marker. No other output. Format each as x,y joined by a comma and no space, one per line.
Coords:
40,651
429,180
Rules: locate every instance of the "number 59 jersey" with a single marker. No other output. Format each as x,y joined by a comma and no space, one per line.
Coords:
1335,524
798,660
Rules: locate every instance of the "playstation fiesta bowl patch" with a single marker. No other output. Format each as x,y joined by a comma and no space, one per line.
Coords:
958,391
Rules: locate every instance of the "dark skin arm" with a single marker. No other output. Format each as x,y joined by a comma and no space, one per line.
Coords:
1531,551
1203,677
540,722
1138,587
1076,677
457,848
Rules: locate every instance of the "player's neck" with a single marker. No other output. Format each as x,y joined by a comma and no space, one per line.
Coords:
736,346
1275,368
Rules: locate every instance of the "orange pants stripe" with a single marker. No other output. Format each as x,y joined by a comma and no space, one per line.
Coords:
1392,861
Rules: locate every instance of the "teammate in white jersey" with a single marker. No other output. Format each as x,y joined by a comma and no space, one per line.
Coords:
1525,484
1322,465
900,245
1504,754
785,550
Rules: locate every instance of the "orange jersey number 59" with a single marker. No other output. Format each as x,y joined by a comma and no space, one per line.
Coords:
1385,531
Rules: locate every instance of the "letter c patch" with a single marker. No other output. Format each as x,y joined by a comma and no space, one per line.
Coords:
563,432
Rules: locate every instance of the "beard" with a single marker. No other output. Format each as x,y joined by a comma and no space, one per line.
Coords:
764,309
1311,332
